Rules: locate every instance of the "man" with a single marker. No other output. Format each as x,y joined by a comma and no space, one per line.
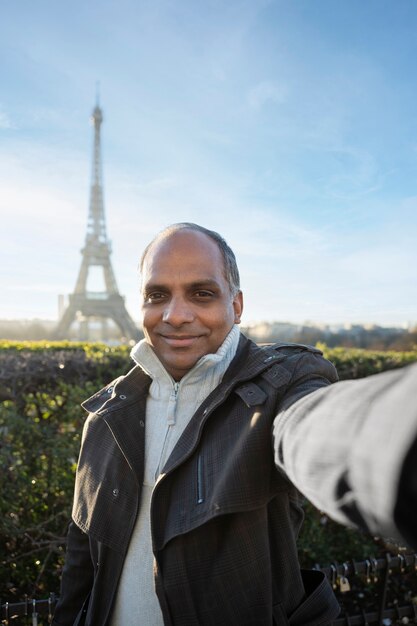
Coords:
180,514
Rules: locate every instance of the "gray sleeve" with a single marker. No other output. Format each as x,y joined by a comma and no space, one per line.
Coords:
344,447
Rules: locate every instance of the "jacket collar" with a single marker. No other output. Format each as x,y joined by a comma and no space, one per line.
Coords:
250,360
120,393
122,403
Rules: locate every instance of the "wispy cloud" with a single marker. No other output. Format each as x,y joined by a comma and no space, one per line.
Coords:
267,91
5,121
352,173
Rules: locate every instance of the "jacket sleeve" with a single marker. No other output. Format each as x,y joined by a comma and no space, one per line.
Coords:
351,450
77,578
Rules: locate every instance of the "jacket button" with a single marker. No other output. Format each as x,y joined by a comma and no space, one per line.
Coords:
142,423
115,492
122,397
110,389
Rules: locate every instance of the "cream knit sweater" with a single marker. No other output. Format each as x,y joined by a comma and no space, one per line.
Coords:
169,408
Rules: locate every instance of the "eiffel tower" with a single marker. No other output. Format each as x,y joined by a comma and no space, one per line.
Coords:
108,304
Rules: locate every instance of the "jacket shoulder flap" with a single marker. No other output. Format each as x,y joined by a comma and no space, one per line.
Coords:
283,359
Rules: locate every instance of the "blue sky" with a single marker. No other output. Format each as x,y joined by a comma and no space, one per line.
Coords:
289,126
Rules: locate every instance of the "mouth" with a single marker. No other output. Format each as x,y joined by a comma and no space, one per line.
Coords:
180,341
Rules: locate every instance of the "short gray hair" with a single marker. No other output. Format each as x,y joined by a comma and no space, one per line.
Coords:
230,265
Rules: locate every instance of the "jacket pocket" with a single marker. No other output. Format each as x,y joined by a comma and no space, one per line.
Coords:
200,480
279,616
81,617
320,606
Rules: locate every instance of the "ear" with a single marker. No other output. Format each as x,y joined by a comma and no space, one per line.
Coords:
238,306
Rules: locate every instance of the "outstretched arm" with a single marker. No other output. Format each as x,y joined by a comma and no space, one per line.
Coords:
351,449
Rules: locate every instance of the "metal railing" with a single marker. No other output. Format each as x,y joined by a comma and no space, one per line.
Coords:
30,612
372,571
376,572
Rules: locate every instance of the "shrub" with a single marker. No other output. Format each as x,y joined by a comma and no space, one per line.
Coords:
41,387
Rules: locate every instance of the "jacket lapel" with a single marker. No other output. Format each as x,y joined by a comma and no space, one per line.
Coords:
122,405
250,360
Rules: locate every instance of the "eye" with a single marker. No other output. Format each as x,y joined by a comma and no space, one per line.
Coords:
203,294
155,296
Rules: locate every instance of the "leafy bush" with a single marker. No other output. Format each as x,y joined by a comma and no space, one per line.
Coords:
41,387
358,363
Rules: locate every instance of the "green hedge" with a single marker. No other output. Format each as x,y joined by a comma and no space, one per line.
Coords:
41,387
358,363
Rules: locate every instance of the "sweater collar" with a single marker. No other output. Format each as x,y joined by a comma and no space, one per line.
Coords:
144,356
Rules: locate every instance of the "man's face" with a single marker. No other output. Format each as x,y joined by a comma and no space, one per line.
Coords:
188,308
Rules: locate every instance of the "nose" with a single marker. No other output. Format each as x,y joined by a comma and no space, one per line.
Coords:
177,312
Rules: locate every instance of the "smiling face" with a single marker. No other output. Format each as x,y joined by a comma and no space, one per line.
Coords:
188,308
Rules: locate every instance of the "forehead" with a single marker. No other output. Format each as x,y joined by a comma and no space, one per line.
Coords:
184,254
